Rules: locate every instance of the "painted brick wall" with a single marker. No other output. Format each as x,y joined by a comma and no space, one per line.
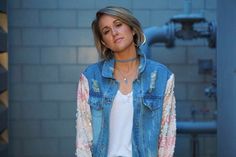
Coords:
50,45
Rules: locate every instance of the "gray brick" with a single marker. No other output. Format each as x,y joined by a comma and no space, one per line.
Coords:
39,37
42,4
38,73
58,18
58,55
160,17
25,55
25,92
76,37
25,129
85,18
150,4
59,92
186,73
39,111
15,37
77,4
196,91
180,91
211,4
67,70
169,56
58,128
104,3
87,55
40,147
24,18
67,110
15,72
143,16
196,53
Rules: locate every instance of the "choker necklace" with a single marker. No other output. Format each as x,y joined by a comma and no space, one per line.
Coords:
126,60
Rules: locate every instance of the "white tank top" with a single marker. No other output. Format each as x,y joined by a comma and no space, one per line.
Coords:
121,124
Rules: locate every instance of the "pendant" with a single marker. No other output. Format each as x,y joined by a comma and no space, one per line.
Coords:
126,80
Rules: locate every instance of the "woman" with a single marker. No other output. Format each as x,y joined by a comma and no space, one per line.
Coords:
125,103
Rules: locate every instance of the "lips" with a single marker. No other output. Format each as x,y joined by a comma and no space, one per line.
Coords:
117,40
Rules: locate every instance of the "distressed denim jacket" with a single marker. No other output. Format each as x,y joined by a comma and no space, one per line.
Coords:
154,123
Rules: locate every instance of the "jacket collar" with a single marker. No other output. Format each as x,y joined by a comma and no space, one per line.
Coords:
108,66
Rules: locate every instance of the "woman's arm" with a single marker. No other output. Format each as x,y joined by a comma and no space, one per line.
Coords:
83,121
168,124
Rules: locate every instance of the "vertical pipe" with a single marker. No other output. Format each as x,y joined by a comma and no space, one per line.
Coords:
226,78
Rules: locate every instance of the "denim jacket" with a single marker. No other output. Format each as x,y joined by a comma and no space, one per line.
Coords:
154,122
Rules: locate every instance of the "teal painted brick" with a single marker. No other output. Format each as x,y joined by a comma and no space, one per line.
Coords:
196,53
67,146
25,129
191,43
179,4
187,73
124,3
40,147
25,92
76,4
210,16
67,110
42,4
15,37
76,37
169,56
196,91
211,4
161,17
180,91
24,18
38,73
150,4
40,111
59,92
38,37
15,111
15,147
87,55
70,73
183,142
15,73
58,128
58,18
12,4
183,110
85,18
25,55
58,55
143,16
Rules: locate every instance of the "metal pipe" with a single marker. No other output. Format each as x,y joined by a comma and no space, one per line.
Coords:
196,127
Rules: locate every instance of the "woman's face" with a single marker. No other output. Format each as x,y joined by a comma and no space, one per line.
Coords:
116,35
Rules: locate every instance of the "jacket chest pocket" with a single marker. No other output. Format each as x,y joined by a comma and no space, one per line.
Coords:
96,106
152,105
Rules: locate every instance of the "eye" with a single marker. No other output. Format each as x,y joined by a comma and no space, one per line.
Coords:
105,31
118,24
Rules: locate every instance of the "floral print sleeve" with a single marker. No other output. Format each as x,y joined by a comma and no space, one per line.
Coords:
168,125
83,121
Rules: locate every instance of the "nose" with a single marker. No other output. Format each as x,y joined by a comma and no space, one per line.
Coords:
114,31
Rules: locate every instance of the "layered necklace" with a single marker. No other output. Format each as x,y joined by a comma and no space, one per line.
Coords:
125,77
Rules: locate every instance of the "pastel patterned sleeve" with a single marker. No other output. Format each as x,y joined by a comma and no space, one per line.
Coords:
83,120
167,135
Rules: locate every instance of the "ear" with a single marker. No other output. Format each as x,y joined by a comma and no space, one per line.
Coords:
133,32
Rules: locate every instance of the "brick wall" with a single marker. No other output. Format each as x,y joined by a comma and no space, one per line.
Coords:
51,43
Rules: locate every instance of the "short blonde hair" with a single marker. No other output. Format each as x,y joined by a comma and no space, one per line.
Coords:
126,17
